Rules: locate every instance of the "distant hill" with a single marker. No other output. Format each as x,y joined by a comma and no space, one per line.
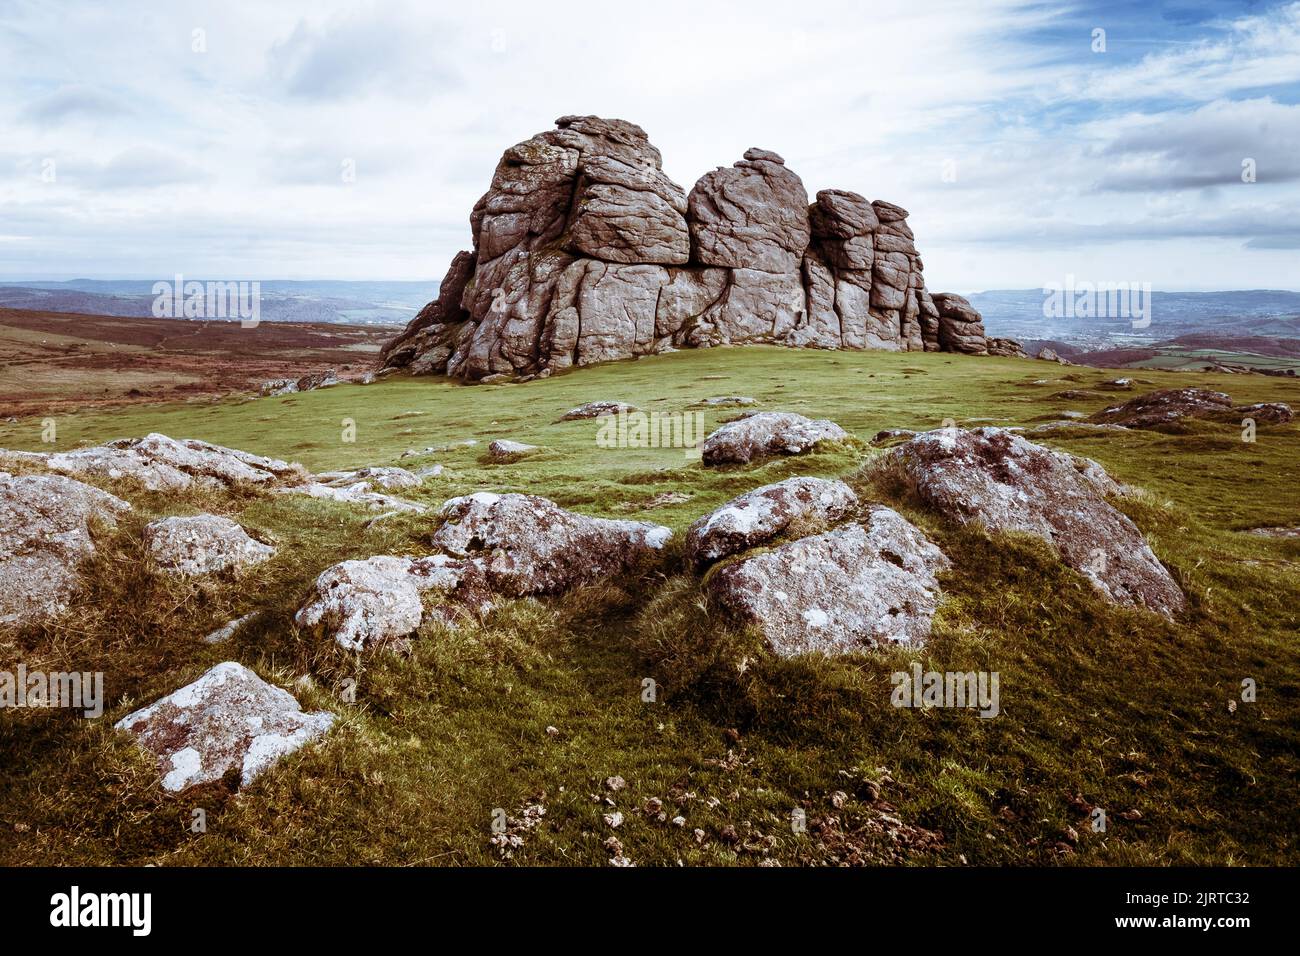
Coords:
329,301
1257,329
1018,313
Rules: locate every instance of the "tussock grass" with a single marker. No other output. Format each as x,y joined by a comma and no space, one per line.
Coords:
1100,706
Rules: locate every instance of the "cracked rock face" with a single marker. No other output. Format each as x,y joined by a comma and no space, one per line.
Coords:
764,434
753,215
856,587
45,530
228,719
962,330
160,463
530,545
584,251
758,516
380,602
202,544
1007,483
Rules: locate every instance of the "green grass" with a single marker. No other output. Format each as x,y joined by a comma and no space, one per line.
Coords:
1101,706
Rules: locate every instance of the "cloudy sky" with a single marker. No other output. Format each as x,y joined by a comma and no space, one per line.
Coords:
215,139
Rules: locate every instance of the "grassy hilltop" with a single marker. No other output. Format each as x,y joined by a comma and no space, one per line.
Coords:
1100,706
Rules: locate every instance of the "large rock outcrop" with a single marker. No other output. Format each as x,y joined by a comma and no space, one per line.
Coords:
585,251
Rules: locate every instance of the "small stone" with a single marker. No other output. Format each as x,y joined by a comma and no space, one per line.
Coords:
505,451
596,410
229,630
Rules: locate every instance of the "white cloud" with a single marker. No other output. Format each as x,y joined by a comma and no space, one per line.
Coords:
1258,51
230,161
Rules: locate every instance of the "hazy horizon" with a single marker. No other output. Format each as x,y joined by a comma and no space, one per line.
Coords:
427,279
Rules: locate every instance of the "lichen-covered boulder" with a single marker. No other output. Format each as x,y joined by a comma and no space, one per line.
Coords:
117,463
386,477
202,544
858,586
1004,482
764,434
381,601
759,516
162,464
45,531
228,719
349,489
1272,413
530,545
726,401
